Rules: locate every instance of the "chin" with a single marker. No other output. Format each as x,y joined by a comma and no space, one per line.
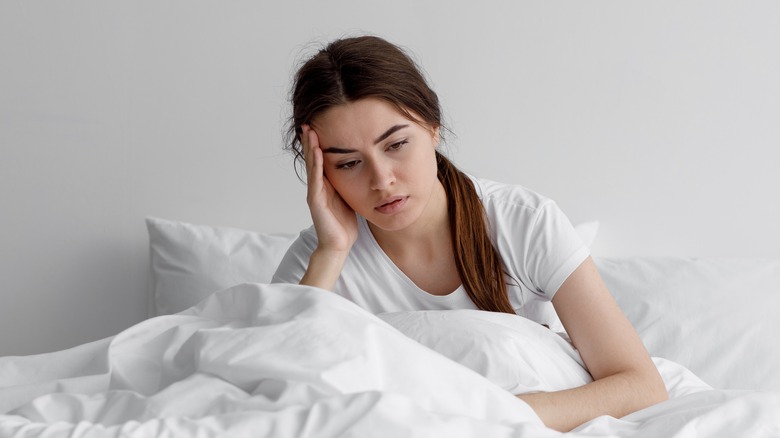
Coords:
391,223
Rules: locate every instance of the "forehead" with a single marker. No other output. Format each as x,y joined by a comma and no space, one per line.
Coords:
358,121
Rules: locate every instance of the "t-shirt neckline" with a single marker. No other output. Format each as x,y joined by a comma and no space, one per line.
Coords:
455,294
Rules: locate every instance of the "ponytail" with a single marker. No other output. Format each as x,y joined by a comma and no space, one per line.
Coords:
477,260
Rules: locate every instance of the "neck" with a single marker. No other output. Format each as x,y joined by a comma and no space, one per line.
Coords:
429,233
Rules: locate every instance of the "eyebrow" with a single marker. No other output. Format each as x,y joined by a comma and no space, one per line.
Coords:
388,133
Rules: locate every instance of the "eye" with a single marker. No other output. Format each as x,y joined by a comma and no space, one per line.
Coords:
347,165
397,145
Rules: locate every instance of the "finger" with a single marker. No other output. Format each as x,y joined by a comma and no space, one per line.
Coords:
308,157
314,166
336,201
305,141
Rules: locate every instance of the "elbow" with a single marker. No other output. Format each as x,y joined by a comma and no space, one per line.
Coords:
661,393
644,388
653,388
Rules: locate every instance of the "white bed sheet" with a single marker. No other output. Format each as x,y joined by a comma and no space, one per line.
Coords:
287,360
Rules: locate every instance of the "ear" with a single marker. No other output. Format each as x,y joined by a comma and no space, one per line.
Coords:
436,137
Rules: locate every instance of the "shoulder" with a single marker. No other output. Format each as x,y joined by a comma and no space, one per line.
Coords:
294,262
513,199
535,238
306,241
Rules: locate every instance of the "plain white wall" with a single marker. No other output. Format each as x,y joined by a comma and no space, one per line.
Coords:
659,119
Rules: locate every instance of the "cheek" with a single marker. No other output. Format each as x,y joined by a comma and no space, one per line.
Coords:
427,165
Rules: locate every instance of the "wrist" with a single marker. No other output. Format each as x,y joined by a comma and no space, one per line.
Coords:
331,255
324,268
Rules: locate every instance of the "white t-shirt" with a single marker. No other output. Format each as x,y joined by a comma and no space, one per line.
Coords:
536,241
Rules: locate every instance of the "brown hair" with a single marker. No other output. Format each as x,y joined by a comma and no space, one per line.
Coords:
355,68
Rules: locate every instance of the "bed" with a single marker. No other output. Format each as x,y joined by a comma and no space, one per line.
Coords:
224,353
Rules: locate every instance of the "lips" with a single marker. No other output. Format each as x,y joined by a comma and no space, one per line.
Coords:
391,205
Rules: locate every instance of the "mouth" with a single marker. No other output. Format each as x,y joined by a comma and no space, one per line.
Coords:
391,205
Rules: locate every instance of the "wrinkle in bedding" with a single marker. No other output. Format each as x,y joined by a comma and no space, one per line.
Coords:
288,360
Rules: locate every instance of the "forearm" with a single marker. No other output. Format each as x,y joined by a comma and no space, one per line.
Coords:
625,378
324,268
617,395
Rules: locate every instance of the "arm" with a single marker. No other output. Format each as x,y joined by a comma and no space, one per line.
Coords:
334,220
324,268
625,378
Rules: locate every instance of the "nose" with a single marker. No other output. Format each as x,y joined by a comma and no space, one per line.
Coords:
382,175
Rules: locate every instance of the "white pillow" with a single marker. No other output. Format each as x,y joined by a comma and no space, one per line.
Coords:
716,316
189,262
513,352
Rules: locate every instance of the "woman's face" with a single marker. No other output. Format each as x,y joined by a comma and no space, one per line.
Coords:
381,163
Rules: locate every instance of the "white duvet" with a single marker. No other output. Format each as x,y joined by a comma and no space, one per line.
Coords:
291,361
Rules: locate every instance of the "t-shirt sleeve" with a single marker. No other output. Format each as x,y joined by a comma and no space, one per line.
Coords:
296,259
555,250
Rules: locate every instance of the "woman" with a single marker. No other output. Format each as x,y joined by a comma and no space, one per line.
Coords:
398,227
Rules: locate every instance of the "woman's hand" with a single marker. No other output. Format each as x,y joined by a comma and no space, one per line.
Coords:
334,221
